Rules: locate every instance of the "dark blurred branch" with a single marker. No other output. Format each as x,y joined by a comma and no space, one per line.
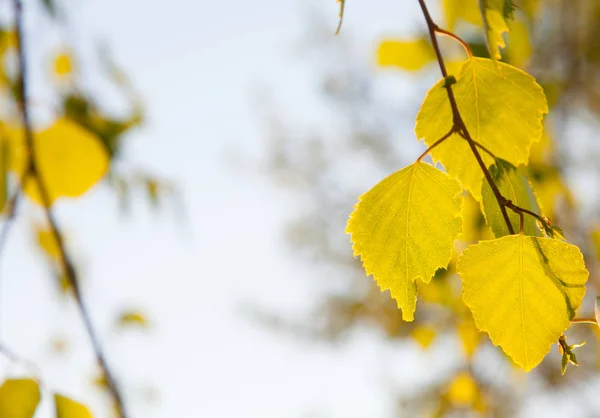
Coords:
35,175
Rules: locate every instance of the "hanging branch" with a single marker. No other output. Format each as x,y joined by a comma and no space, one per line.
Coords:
33,174
460,127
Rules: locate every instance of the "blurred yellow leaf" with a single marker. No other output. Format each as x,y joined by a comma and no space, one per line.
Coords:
67,408
596,241
63,65
520,49
474,226
70,160
424,335
495,15
455,10
463,390
411,55
133,318
469,335
19,398
47,242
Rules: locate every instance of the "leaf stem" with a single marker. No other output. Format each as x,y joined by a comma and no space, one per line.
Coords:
65,260
584,321
435,144
455,37
458,122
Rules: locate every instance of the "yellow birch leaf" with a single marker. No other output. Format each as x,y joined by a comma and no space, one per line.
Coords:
67,408
70,160
523,291
404,228
514,186
495,14
409,55
19,398
502,108
424,335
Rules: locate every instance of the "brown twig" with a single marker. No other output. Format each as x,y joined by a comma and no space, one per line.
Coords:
435,144
458,122
455,37
65,261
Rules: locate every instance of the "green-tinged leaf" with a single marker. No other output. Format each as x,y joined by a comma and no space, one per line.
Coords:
514,186
19,398
552,231
67,408
495,15
410,55
568,356
502,108
404,228
523,291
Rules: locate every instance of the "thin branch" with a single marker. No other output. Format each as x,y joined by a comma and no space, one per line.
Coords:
484,149
67,265
435,144
509,204
458,121
456,38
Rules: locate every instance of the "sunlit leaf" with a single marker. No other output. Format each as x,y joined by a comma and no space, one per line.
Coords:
68,408
404,228
514,186
523,291
19,398
495,15
411,55
502,108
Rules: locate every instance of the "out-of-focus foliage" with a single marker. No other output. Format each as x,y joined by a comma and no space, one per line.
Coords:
556,42
77,147
19,398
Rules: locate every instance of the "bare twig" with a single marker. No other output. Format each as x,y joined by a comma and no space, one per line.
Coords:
435,144
65,261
